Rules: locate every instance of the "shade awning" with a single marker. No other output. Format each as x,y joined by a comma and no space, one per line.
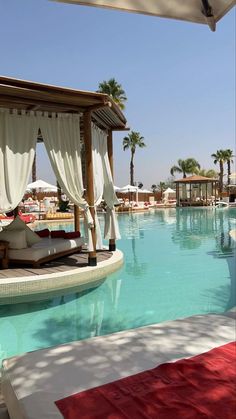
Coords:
169,190
41,184
28,95
144,191
128,189
198,11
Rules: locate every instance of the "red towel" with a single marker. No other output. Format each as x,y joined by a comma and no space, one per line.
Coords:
72,235
57,234
202,387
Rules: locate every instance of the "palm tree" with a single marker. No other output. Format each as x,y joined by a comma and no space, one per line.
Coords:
132,141
34,175
208,173
220,157
154,187
59,192
188,166
113,89
229,159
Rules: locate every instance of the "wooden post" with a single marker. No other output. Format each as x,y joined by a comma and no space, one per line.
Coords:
112,242
92,259
76,218
206,192
190,194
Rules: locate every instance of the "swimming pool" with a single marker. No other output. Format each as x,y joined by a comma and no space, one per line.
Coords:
177,263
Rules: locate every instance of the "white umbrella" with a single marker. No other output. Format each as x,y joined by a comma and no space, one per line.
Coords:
116,188
144,191
44,186
198,11
130,189
166,194
168,191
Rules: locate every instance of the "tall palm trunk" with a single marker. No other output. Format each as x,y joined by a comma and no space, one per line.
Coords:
132,169
229,171
59,192
221,176
34,169
34,175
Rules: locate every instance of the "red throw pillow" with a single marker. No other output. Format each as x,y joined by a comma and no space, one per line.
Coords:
58,234
72,235
43,233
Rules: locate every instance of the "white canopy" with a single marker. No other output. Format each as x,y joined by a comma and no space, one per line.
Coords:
116,188
168,190
41,184
198,11
144,191
128,189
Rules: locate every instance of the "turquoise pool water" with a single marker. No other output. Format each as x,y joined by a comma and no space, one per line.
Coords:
177,263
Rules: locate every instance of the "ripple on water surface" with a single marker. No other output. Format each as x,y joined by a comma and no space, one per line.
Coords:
177,263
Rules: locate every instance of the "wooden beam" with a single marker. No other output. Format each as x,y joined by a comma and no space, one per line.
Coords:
112,242
6,100
96,107
92,259
76,218
121,129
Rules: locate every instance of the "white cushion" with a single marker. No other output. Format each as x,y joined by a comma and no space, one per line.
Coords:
45,247
16,238
19,224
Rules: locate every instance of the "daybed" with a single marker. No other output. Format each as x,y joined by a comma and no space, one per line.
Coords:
25,246
45,250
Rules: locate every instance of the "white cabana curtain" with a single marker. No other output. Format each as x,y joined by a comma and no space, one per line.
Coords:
103,182
18,136
61,135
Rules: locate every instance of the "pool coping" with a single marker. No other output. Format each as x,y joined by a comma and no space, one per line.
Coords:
38,284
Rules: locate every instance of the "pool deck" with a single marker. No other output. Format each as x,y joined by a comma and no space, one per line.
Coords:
61,274
32,382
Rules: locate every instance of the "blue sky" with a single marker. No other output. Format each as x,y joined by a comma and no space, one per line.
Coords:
179,77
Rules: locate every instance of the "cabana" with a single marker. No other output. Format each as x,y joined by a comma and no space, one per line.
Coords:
76,127
195,191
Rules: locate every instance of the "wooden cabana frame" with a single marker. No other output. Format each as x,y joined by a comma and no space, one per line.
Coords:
189,198
94,107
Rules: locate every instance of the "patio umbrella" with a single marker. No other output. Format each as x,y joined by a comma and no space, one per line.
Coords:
116,188
168,191
42,185
197,11
144,191
130,189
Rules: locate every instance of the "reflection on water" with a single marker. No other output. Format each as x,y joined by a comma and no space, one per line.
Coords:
177,263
